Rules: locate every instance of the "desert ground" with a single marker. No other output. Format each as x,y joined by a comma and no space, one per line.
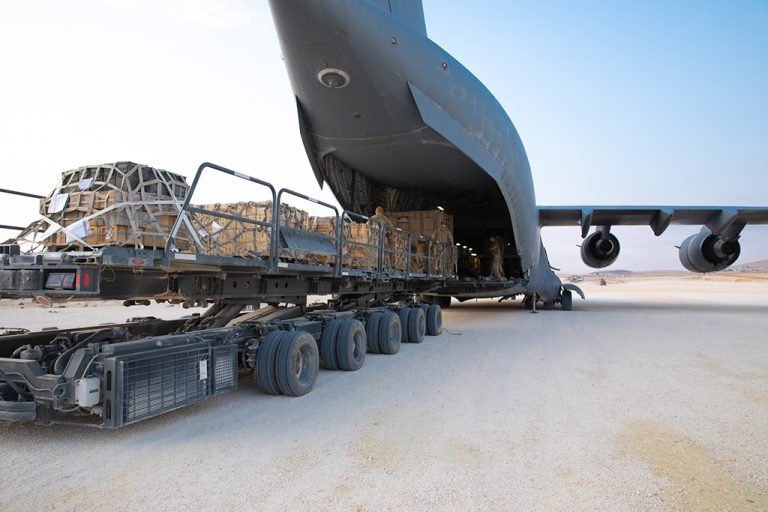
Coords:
650,395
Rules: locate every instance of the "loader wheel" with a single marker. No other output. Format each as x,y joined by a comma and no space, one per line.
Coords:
390,333
265,363
404,313
351,345
434,320
13,410
298,363
18,411
328,343
372,330
417,325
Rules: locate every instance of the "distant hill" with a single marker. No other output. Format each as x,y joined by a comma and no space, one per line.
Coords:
752,266
612,273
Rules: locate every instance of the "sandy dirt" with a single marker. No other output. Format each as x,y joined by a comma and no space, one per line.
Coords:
651,395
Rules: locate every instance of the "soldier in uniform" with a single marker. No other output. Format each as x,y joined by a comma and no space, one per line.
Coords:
443,250
380,223
495,257
502,247
379,218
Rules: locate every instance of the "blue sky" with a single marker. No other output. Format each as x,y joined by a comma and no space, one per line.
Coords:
620,103
627,103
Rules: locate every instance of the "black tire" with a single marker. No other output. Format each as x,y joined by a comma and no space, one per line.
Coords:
434,320
298,363
549,305
266,377
528,302
372,332
403,315
351,345
328,343
417,325
444,302
390,333
19,416
18,411
566,300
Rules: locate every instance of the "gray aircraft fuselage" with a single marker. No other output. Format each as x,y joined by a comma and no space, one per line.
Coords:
389,118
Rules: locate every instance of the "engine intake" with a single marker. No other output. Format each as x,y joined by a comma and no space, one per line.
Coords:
707,252
600,249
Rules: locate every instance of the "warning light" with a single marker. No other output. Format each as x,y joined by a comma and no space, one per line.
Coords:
138,261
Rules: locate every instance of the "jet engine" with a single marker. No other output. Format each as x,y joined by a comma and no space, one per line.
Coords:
707,252
600,249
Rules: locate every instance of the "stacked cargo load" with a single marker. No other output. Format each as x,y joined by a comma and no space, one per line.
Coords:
421,222
326,227
134,205
225,236
361,242
121,203
424,225
361,249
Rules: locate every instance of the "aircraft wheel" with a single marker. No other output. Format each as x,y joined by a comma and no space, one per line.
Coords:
549,305
390,333
404,313
444,302
566,300
298,363
266,359
417,325
434,320
328,343
372,330
528,302
351,345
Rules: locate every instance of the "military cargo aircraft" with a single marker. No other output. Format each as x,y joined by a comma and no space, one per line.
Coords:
388,117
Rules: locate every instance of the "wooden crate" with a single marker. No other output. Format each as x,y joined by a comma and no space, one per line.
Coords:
323,225
421,222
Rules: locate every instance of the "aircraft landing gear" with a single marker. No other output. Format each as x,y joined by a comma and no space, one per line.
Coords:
566,300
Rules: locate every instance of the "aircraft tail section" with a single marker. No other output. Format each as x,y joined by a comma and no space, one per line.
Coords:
411,11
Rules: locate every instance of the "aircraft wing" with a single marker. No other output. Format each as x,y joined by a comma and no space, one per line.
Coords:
716,218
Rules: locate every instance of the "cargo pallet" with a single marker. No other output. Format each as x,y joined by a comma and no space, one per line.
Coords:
119,374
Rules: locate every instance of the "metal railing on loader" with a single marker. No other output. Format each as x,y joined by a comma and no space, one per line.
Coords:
295,249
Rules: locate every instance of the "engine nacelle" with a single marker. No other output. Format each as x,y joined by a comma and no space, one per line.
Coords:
600,249
706,252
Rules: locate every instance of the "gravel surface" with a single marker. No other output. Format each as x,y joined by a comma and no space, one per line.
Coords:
649,396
